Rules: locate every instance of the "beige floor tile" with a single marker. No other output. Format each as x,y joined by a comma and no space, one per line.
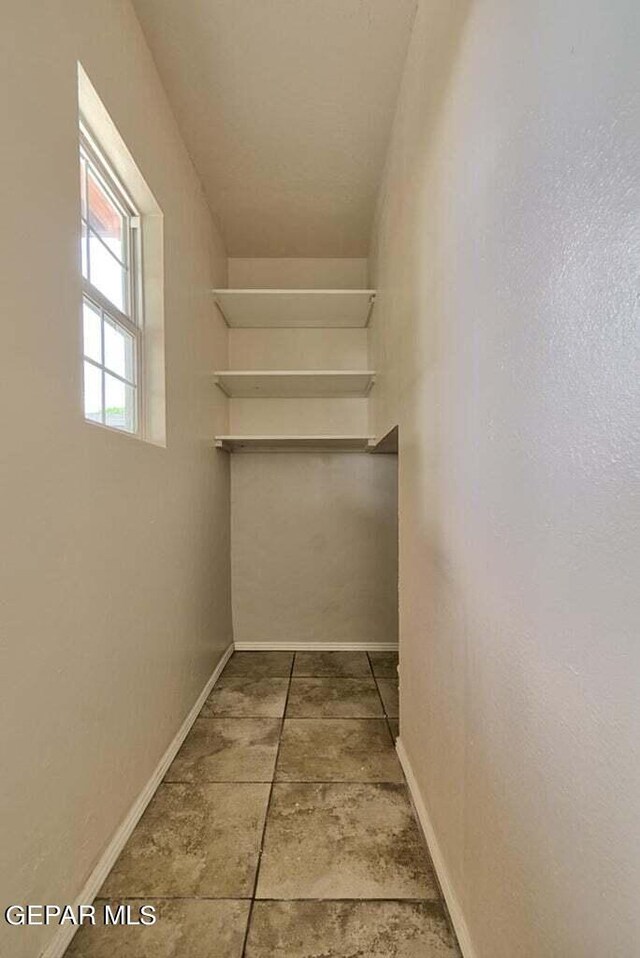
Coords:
330,929
333,698
389,694
184,929
258,664
227,750
384,664
193,841
346,664
343,841
394,726
244,696
337,750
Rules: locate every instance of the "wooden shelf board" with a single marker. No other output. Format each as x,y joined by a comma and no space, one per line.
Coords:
295,384
388,444
275,308
294,443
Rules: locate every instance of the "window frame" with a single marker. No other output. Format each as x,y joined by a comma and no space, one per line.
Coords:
131,323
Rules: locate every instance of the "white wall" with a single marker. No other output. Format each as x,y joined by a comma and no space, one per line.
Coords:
506,332
115,592
314,548
299,417
305,348
314,536
298,348
298,273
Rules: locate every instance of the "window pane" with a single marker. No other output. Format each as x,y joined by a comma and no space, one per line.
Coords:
104,217
92,393
83,195
91,328
84,251
106,273
119,355
120,404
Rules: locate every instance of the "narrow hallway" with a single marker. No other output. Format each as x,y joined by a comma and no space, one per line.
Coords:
283,827
321,332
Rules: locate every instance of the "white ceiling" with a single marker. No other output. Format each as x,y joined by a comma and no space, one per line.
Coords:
286,108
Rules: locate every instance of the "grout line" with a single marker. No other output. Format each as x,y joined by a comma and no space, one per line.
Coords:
290,781
370,664
266,814
386,717
437,902
335,678
440,899
413,901
304,718
124,898
251,676
336,718
420,901
389,720
213,718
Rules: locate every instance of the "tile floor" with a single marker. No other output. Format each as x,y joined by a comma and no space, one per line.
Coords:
283,827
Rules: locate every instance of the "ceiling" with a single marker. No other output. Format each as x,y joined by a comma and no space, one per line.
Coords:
286,108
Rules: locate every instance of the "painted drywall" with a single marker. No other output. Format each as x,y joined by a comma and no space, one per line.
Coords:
286,108
310,348
115,592
314,553
298,273
304,348
295,349
299,417
506,334
314,548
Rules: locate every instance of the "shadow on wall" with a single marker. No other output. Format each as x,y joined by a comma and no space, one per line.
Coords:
505,259
314,556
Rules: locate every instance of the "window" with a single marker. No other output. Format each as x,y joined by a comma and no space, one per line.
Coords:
123,328
111,295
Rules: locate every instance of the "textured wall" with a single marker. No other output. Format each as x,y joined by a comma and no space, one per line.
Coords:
115,583
506,333
298,273
314,547
286,109
305,348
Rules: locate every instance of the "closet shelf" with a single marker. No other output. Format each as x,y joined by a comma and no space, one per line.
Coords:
295,307
295,384
294,443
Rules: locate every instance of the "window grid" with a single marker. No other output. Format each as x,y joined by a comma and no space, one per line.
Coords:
127,419
115,401
89,170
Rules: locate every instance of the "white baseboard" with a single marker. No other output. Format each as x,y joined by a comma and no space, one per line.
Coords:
65,933
455,911
316,646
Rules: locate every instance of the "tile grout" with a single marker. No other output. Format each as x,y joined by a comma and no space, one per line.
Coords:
434,902
333,678
440,897
303,718
384,708
290,781
266,814
415,901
